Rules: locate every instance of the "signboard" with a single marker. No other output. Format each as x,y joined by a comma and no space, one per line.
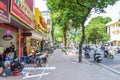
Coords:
21,10
7,37
4,11
41,24
30,3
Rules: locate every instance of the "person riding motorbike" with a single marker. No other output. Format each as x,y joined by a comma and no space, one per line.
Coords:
97,52
87,55
106,51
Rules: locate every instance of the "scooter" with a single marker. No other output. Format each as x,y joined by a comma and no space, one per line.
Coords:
97,57
109,54
41,57
87,55
49,50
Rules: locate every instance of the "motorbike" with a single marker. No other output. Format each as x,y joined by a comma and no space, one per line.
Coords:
109,54
49,50
97,55
97,58
41,58
87,55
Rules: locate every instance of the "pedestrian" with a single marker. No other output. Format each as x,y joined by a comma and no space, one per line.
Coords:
12,51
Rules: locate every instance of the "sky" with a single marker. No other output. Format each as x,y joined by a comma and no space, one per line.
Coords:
41,4
112,11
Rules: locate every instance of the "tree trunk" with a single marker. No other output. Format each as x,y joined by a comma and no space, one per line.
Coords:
65,37
81,43
83,36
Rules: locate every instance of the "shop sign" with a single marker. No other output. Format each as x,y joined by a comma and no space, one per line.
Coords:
30,3
4,11
39,19
21,10
7,37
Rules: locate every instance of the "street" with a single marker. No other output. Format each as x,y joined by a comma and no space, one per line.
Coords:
113,63
67,68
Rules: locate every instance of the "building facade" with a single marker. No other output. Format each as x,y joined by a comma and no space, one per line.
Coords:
18,25
113,29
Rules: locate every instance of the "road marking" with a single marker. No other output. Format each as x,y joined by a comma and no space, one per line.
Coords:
35,75
39,78
38,68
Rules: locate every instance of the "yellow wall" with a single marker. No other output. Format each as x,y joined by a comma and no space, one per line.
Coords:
40,28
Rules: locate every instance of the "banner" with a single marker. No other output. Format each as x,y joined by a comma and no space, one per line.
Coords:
40,21
30,4
4,11
21,10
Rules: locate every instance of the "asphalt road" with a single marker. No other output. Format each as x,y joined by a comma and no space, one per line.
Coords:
113,63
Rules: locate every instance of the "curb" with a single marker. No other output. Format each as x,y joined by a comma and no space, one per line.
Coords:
109,68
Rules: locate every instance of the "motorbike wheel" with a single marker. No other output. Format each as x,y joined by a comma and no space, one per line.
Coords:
111,56
50,51
42,64
97,60
28,61
44,60
105,55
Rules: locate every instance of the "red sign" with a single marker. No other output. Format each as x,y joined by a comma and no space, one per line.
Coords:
4,8
30,3
42,22
21,10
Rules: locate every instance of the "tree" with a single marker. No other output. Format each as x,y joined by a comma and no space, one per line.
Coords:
78,11
96,30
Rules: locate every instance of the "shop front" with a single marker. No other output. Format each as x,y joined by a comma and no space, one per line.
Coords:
36,40
8,36
23,19
13,27
41,28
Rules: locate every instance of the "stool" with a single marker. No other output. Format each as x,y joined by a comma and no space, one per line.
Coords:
15,73
24,59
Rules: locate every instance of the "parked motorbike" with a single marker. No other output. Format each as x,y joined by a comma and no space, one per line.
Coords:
87,55
117,51
109,54
49,50
97,57
41,58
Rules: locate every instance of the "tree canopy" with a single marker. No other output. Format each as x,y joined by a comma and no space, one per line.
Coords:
77,11
96,30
